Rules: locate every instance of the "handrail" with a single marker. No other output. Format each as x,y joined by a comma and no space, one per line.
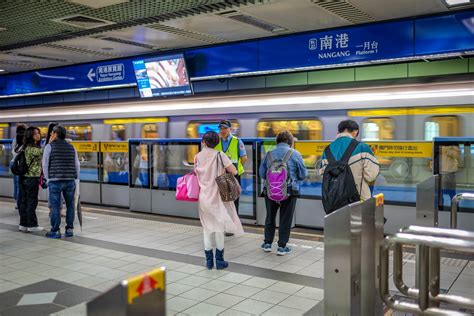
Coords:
428,241
455,205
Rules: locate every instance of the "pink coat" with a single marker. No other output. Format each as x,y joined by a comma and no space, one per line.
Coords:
215,215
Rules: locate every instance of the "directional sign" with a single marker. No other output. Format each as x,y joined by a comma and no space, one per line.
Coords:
91,74
145,283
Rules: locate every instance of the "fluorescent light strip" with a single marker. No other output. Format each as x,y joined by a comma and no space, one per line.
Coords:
246,102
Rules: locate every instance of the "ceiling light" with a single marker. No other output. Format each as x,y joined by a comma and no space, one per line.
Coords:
2,70
453,3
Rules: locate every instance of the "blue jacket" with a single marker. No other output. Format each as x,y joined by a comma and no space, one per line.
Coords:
296,166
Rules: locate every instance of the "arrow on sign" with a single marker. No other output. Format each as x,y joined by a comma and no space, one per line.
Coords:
91,74
147,285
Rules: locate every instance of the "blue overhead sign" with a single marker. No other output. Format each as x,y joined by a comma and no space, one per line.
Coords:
345,45
94,75
445,34
372,42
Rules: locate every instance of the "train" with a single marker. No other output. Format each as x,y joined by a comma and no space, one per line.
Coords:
409,112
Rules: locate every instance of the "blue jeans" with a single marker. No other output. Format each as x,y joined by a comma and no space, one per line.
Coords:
16,189
66,188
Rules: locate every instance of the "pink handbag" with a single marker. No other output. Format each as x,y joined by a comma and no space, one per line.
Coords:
187,188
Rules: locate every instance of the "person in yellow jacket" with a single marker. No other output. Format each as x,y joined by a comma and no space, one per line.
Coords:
234,148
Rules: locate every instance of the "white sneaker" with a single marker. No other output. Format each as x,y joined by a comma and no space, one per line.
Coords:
22,228
35,229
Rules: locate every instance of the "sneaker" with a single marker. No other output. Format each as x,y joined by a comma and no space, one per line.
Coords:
22,228
55,235
267,247
69,232
284,251
35,229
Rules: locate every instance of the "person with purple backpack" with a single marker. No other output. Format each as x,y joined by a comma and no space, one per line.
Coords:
282,169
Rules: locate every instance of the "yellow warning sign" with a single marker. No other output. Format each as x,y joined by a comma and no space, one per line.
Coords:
145,283
311,148
402,149
86,147
379,199
114,147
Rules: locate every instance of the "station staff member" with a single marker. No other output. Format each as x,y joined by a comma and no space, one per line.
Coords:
234,148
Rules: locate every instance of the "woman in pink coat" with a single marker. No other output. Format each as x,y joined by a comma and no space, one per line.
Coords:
216,216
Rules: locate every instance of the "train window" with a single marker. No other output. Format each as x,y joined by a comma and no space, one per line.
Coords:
444,126
119,132
375,129
197,129
150,131
43,130
301,129
79,132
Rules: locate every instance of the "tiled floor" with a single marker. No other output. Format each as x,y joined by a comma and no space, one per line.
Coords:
112,248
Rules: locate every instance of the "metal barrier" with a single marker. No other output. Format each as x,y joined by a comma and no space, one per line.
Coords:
428,241
455,205
426,201
137,296
352,237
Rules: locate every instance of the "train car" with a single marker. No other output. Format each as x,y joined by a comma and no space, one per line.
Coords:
407,113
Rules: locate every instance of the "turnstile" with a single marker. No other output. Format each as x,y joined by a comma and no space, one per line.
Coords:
352,238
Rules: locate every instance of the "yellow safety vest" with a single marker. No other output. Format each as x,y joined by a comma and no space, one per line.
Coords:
233,153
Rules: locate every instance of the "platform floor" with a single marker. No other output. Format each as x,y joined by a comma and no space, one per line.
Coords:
40,276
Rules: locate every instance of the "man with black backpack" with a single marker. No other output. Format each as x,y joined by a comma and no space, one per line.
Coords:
282,169
347,166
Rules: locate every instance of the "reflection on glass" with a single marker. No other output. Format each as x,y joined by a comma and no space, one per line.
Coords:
89,166
115,169
118,132
150,131
78,132
301,129
457,166
442,126
171,161
246,205
5,158
140,171
197,129
375,129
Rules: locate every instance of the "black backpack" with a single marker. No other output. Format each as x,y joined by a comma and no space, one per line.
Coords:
19,166
339,188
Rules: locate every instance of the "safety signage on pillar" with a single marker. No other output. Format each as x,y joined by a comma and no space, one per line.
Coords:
311,148
145,283
86,147
402,150
114,147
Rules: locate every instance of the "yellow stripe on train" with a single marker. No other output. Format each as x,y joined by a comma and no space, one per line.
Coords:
414,111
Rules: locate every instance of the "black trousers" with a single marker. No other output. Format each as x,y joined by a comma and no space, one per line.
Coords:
236,202
287,210
29,187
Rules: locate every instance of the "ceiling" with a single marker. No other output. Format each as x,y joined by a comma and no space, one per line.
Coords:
42,34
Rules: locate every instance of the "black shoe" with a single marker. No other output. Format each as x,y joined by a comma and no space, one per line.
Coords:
229,234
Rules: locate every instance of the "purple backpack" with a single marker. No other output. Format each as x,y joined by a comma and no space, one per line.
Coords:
277,177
